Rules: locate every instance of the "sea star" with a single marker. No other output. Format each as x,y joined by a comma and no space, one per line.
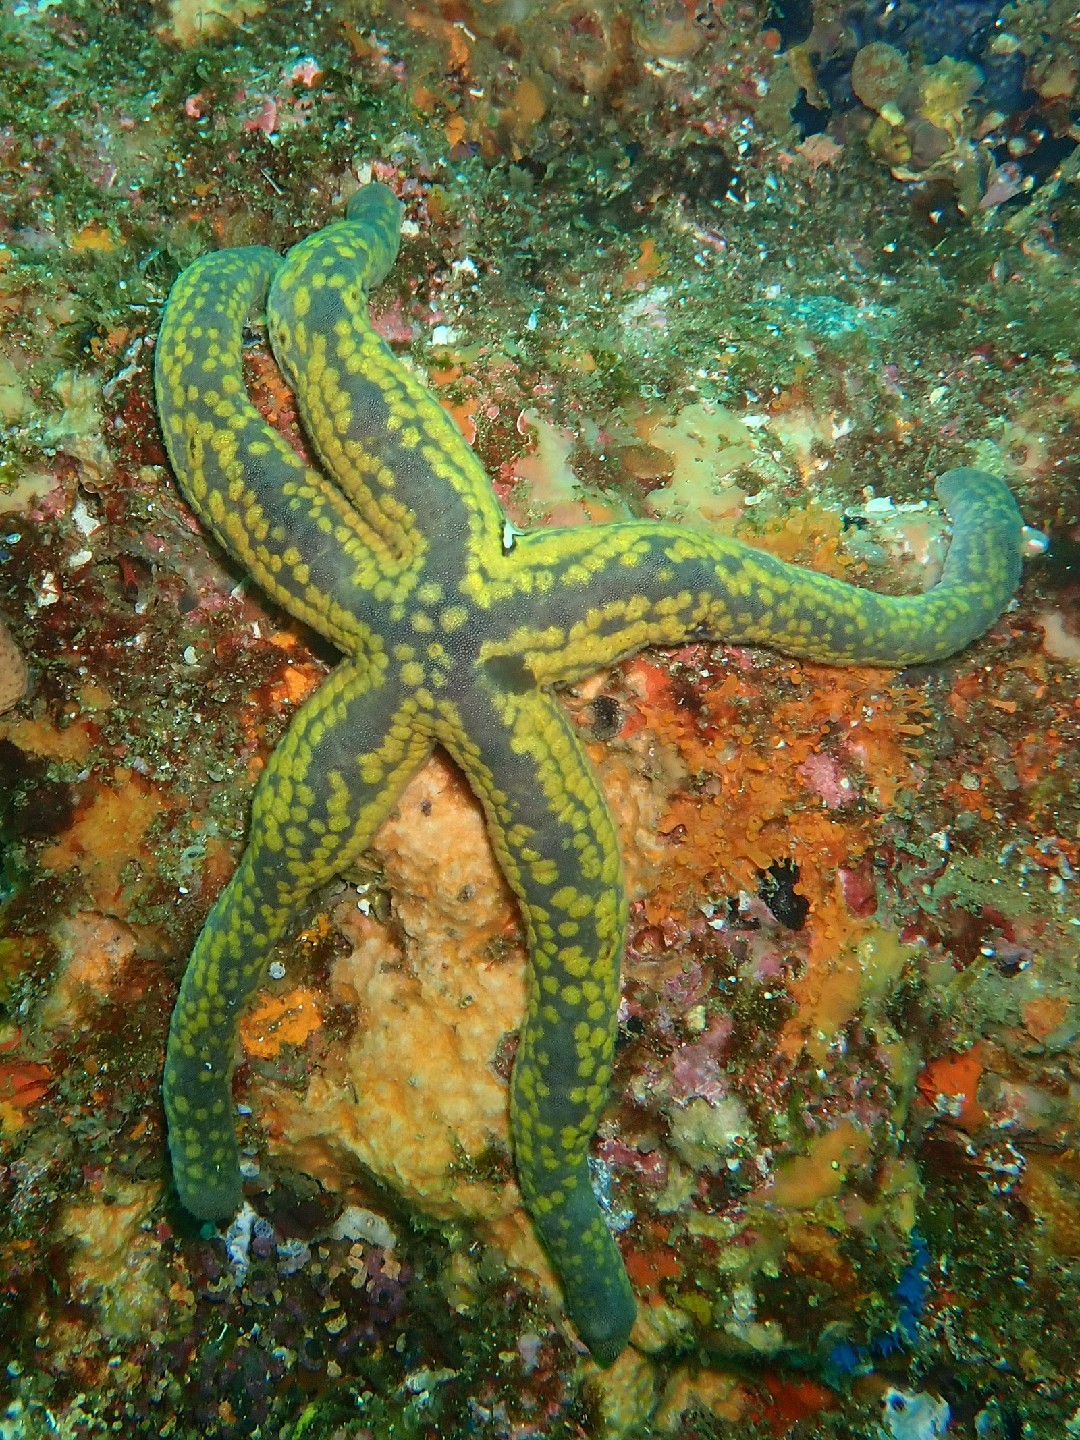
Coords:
455,627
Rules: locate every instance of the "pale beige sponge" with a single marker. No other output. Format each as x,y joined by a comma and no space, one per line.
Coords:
13,676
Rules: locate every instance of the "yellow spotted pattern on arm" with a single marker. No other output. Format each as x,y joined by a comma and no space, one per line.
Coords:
454,630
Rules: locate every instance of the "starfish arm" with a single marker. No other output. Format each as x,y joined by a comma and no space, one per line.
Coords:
555,839
608,591
283,522
385,439
328,786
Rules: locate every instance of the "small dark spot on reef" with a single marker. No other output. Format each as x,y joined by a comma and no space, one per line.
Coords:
793,21
701,173
1012,962
52,811
502,1061
535,168
606,717
1037,147
32,806
1061,563
310,1353
299,1214
935,207
811,119
777,889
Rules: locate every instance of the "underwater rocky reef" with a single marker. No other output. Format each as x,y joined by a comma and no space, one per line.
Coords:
764,271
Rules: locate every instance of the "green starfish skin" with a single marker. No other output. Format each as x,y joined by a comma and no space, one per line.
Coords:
455,628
